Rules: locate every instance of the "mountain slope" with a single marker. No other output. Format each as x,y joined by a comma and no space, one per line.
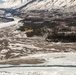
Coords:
10,3
38,4
49,4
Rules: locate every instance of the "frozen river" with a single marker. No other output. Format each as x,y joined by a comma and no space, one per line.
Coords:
9,23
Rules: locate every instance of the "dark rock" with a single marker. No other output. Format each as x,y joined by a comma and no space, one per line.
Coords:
4,19
58,28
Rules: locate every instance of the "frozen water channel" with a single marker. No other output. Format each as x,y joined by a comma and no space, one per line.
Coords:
9,23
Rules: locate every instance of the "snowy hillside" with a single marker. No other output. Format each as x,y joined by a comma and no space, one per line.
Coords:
10,3
41,39
37,4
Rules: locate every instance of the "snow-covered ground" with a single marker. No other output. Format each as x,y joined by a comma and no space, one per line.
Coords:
51,59
38,71
52,63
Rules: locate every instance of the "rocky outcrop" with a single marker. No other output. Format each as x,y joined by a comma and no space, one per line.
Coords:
63,34
4,19
57,28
